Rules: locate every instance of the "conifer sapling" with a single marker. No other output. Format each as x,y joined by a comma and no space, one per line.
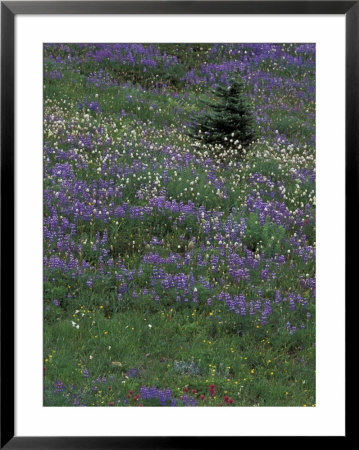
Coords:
227,123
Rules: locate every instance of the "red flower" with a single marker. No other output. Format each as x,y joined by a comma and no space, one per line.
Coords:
44,370
140,404
230,400
194,391
131,391
111,404
202,397
226,398
186,389
110,388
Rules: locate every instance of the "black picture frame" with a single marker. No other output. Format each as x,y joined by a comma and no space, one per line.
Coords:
9,9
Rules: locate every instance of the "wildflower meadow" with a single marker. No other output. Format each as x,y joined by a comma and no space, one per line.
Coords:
179,225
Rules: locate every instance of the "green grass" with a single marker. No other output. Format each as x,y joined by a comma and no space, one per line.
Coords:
250,364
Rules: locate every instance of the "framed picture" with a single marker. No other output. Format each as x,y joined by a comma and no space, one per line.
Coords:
176,182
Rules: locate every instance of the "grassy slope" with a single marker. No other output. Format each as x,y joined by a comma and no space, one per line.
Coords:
177,345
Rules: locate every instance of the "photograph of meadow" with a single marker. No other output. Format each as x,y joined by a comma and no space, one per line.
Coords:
179,239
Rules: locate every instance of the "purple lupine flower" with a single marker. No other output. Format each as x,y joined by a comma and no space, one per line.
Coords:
153,392
144,393
168,393
162,397
277,296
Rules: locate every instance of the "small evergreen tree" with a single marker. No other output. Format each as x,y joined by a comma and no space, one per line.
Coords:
227,123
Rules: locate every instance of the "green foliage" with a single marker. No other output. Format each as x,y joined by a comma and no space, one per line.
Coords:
290,126
228,121
268,237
